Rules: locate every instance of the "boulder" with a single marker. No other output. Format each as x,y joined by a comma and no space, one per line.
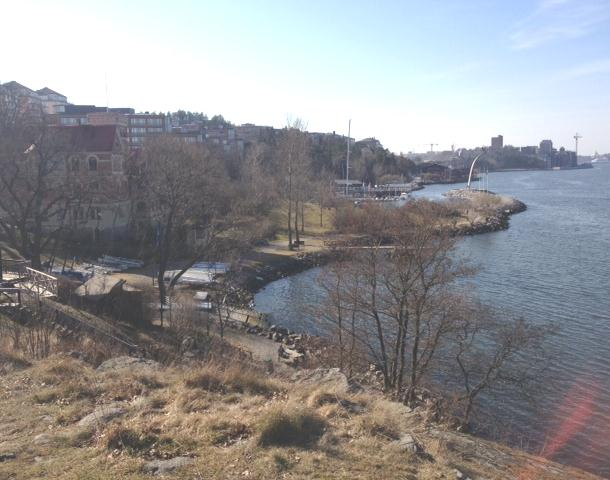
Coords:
407,443
131,363
161,467
327,377
102,415
42,439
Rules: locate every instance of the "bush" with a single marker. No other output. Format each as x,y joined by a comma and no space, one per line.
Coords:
297,428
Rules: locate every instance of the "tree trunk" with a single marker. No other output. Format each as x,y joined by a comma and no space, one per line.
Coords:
290,200
296,221
414,354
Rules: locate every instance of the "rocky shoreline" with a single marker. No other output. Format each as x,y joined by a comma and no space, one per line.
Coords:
295,347
499,221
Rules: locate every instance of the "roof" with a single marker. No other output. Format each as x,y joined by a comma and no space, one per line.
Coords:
100,285
83,109
48,91
16,85
93,138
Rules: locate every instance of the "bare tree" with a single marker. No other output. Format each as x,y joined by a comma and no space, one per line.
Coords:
189,196
398,290
491,355
294,152
35,188
175,175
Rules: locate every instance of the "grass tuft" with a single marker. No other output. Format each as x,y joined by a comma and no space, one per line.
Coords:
126,439
233,380
282,427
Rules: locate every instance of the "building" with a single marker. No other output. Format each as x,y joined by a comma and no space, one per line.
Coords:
43,101
91,115
497,142
546,148
52,102
564,159
23,99
95,176
529,150
143,125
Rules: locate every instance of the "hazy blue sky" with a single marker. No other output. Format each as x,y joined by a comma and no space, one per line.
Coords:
406,72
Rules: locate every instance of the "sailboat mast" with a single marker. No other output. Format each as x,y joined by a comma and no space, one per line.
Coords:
349,131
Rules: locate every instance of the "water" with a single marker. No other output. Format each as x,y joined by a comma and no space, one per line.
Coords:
553,263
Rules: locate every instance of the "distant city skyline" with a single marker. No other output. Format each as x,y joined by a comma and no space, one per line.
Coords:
408,74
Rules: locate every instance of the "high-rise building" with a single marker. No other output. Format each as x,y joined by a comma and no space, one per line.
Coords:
497,142
546,148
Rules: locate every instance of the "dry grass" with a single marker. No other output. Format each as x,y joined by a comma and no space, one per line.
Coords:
231,380
232,421
290,426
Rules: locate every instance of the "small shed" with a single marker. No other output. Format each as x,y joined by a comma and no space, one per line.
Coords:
112,296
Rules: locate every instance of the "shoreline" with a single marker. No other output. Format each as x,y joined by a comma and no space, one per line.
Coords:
276,266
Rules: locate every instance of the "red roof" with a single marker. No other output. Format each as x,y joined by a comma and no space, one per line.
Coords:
93,138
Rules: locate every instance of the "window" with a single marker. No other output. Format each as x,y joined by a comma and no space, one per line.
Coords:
74,164
138,121
69,121
92,164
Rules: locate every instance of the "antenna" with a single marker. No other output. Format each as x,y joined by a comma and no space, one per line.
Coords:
577,136
106,86
349,132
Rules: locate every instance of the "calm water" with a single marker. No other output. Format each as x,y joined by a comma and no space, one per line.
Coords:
553,263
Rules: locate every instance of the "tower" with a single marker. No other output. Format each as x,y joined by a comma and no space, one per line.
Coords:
576,138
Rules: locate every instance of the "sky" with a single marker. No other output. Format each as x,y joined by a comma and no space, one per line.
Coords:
409,73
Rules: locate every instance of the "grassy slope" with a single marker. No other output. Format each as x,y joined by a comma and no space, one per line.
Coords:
222,419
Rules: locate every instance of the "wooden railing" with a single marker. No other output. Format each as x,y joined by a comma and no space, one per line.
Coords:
40,283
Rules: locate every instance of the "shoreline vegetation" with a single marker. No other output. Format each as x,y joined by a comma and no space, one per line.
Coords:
476,213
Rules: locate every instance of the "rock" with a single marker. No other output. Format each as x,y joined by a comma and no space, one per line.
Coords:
460,475
328,377
188,343
7,456
161,467
407,444
119,363
42,439
102,415
351,407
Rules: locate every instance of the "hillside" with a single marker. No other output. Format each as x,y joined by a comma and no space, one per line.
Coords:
129,418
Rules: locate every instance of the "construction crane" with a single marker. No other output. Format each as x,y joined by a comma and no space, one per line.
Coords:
577,136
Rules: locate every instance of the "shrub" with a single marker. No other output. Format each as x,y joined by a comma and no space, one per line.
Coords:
299,427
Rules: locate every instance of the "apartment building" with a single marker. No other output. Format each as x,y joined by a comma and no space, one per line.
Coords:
143,125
